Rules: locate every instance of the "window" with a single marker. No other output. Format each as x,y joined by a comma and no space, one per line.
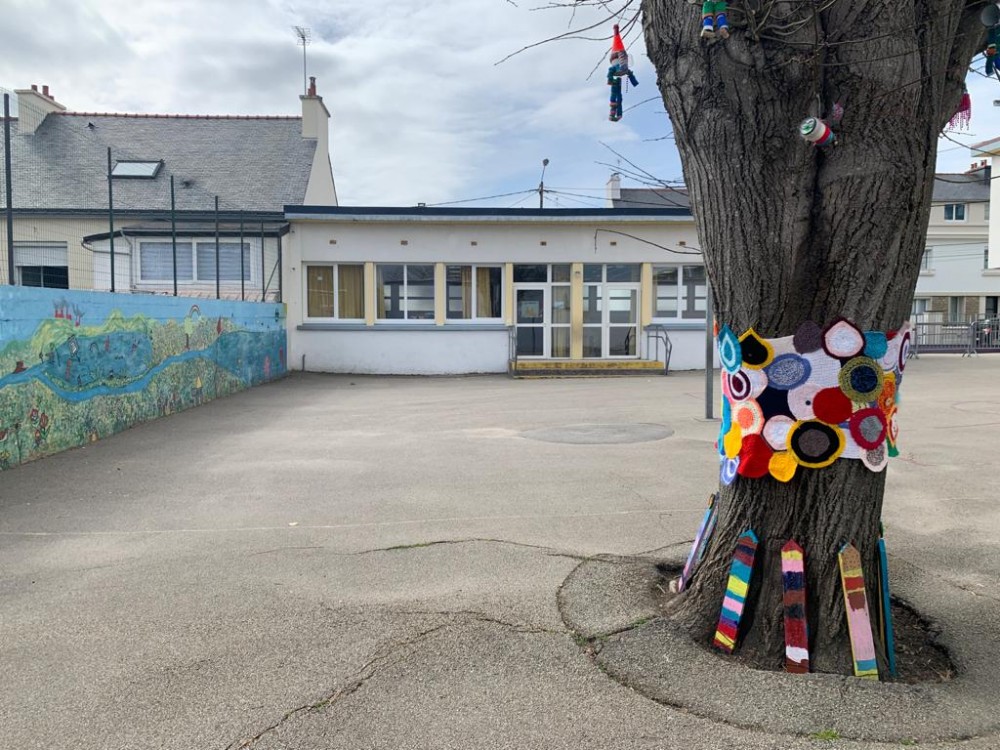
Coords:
920,306
681,291
137,169
229,261
44,264
473,292
620,272
339,288
195,261
532,273
956,309
156,261
954,212
925,261
51,277
405,292
986,257
986,211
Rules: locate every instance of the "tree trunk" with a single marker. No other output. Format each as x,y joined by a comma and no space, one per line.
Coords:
793,233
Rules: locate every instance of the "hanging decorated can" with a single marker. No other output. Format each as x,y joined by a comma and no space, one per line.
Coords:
816,132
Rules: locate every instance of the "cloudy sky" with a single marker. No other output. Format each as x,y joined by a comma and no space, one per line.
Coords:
421,111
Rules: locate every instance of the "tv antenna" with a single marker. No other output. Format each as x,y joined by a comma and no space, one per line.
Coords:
303,37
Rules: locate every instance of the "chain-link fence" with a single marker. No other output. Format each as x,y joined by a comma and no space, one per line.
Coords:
137,204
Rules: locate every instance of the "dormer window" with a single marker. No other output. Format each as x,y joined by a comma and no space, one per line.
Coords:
142,170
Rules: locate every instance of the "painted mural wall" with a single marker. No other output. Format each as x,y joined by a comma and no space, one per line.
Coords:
78,366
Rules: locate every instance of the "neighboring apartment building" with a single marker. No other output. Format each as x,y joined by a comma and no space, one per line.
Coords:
254,165
959,281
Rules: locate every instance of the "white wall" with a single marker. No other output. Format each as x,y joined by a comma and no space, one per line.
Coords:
956,269
995,223
496,242
377,351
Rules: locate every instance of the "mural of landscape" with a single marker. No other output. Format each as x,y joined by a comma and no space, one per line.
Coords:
78,366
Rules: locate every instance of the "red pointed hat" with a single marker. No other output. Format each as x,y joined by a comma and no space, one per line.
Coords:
616,42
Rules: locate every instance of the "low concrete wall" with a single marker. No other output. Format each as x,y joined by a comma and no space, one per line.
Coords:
400,350
76,366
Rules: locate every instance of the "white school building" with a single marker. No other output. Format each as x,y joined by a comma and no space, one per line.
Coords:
452,291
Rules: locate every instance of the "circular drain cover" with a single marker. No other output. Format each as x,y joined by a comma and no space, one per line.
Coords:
600,434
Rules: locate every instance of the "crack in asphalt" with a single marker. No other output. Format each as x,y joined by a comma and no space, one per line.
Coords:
381,658
353,683
550,551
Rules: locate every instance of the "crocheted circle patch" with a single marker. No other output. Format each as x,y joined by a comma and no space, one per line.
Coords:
815,444
788,371
861,379
809,399
729,349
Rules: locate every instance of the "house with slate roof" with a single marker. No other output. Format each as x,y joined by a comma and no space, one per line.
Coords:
253,165
958,282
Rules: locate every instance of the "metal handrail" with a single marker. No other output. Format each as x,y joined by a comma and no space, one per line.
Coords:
658,333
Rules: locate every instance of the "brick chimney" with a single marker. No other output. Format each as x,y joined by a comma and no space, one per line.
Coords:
33,107
321,190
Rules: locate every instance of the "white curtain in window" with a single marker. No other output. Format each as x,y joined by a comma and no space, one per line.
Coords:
156,261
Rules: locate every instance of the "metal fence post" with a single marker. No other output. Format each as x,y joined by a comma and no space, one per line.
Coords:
243,270
9,189
218,288
709,354
173,230
111,221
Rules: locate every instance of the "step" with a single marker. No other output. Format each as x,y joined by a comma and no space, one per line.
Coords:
583,368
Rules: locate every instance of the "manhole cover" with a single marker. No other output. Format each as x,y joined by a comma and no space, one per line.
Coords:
600,434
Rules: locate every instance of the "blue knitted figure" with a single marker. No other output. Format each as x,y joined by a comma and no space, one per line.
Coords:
713,19
619,68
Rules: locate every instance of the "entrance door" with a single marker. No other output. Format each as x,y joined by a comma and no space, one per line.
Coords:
621,318
531,303
610,320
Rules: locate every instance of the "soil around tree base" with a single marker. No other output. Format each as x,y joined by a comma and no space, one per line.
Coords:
614,605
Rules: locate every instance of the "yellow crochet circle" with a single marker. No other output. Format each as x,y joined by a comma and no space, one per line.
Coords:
782,466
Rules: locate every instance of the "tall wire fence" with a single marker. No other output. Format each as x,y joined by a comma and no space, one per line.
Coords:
78,214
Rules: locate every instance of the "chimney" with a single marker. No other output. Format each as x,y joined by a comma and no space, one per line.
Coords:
320,190
33,107
613,189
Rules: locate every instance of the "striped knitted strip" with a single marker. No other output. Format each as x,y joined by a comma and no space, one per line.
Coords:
858,622
697,547
736,592
796,628
887,635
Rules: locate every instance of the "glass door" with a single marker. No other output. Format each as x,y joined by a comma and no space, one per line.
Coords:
621,320
531,303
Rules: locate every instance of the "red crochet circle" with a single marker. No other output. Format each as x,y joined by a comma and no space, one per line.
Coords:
832,406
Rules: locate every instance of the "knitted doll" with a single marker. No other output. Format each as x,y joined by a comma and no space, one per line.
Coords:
992,40
713,19
619,67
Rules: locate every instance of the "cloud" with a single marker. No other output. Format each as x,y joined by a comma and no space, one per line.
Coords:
420,111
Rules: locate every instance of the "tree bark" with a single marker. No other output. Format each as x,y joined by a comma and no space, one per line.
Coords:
793,233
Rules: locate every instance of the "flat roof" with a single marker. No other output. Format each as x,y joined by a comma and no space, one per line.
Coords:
376,214
991,146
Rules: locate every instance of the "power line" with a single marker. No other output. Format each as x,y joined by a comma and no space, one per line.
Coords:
484,198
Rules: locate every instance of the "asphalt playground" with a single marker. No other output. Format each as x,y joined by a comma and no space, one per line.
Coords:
362,562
